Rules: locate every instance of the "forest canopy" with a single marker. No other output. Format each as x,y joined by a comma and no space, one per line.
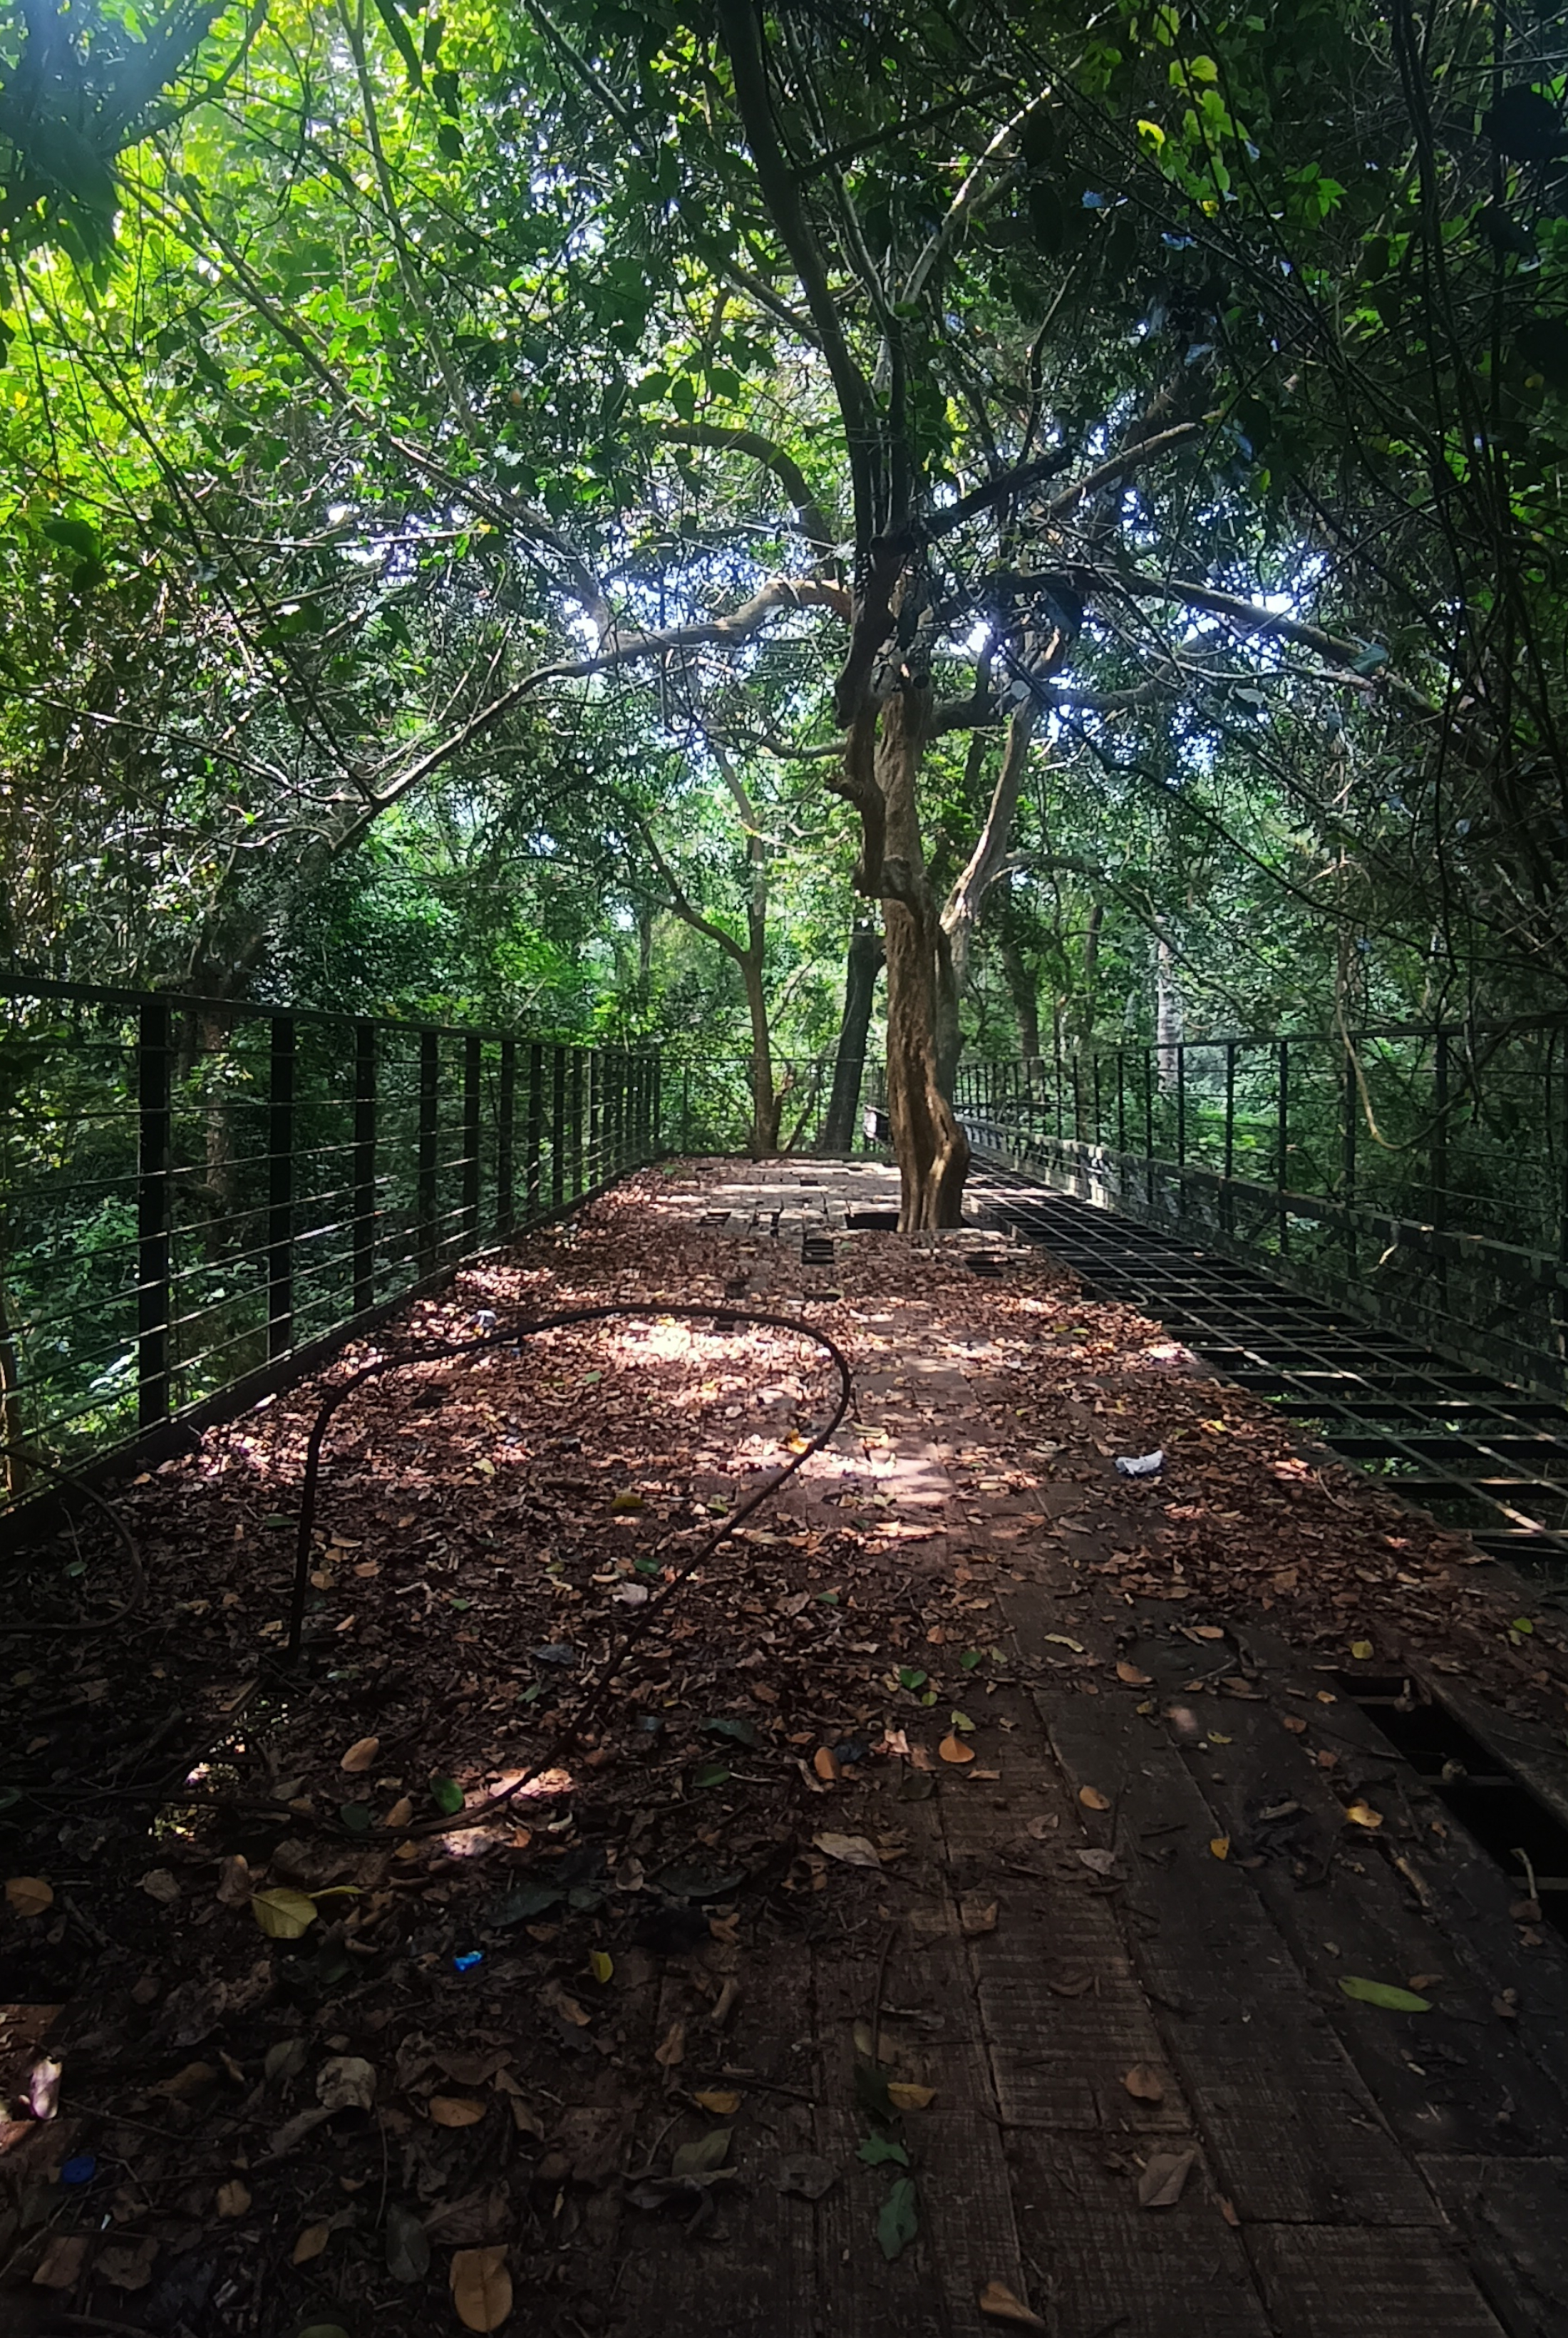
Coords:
605,515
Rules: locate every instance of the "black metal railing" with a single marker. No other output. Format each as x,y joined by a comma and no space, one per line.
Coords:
709,1103
1421,1171
197,1198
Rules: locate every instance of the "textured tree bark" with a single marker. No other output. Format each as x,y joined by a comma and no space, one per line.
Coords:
1169,1017
862,967
1025,996
931,1149
961,910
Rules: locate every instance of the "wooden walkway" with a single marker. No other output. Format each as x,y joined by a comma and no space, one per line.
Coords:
1112,1944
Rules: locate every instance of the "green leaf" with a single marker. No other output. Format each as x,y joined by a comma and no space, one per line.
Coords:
744,1732
391,17
969,1659
447,1796
355,1817
282,1914
871,2090
702,2157
74,535
962,1723
711,1774
910,1676
900,2219
408,2250
1385,1993
876,2151
1521,1624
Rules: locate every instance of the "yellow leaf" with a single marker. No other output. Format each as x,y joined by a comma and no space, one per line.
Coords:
481,2287
361,1753
401,1812
1362,1814
455,2110
1093,1799
282,1914
233,2199
311,2242
1221,1846
1361,1650
625,1504
906,2098
1217,1737
29,1895
953,1749
600,1965
1134,1679
1144,2085
997,2301
719,2100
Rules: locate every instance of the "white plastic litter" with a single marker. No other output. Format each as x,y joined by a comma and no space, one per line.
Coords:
1142,1465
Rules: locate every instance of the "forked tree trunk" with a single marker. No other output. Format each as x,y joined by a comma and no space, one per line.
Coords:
766,1107
862,969
931,1149
1025,996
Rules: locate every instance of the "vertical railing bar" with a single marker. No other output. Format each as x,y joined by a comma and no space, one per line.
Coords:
426,1197
365,1116
506,1142
1282,1142
1227,1197
280,1191
154,1182
558,1128
534,1141
469,1238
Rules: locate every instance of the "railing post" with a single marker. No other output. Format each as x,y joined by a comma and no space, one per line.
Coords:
470,1221
1120,1100
1282,1144
1095,1061
506,1142
155,1180
1182,1110
576,1121
1350,1112
686,1108
280,1191
1148,1053
595,1116
656,1070
1227,1198
364,1167
535,1142
428,1198
558,1128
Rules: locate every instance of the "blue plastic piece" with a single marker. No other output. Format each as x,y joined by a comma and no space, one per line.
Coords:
80,2170
466,1963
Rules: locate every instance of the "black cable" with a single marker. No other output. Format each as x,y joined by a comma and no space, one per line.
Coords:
436,1352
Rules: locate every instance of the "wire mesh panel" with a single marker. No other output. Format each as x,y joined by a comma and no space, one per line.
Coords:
193,1194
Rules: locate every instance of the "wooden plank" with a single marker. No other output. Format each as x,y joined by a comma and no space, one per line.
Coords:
1512,2215
1099,2263
1328,2282
1514,1742
1294,2134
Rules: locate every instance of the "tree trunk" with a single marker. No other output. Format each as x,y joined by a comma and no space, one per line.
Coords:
862,967
1025,996
1167,1016
961,911
932,1151
766,1107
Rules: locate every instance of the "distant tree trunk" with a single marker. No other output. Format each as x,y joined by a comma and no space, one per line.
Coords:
1025,996
864,964
1167,1016
961,911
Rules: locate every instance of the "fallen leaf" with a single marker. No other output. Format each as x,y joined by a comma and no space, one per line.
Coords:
408,2250
673,2052
1040,1830
556,1999
906,2098
1228,2210
310,2243
233,2199
1101,1862
158,1884
998,2300
853,1850
1221,1846
234,1886
481,2287
360,1755
455,2110
1383,1993
401,1812
1070,1982
702,2157
600,1965
127,2265
1061,1640
1093,1799
347,2083
1161,2183
1362,1814
719,2100
1361,1650
1134,1679
1208,1631
44,2087
977,1914
29,1895
953,1749
900,2220
60,2266
624,1505
805,2174
1294,1724
282,1914
825,1761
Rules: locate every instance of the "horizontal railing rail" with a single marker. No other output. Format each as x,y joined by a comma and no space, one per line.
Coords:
198,1198
1419,1173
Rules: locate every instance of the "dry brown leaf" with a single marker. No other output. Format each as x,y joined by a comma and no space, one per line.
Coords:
360,1755
906,2098
311,2242
1162,2181
825,1761
127,2265
1093,1799
1228,2210
556,1999
673,2052
60,2268
1040,1830
718,2100
1208,1632
234,1883
1294,1724
953,1749
851,1850
997,2301
1362,1814
481,2287
1071,1981
401,1812
233,2198
455,2110
977,1914
1132,1676
29,1895
1144,2083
